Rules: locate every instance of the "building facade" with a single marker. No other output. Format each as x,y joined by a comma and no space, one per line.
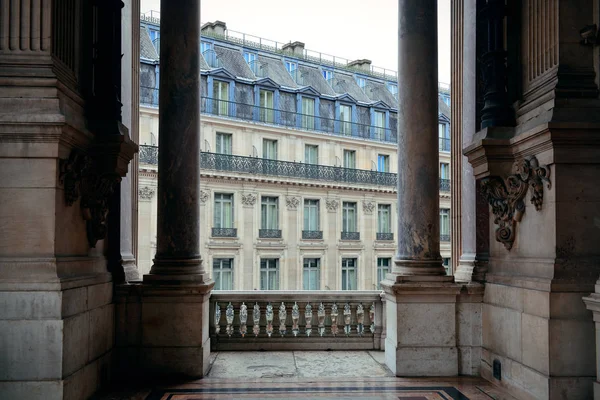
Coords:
298,164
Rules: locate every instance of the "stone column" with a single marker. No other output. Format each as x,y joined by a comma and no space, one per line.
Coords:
420,299
175,309
418,158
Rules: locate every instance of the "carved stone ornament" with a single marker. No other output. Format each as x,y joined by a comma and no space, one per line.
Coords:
146,193
292,203
204,195
332,205
505,196
249,199
368,207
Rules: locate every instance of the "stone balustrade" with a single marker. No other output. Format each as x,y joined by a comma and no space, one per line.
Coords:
297,320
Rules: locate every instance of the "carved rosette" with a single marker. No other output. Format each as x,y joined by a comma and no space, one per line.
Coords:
332,205
248,200
204,196
292,203
506,196
368,207
146,193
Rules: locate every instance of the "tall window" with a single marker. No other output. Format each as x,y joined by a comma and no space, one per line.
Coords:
311,274
308,113
269,274
223,143
348,273
223,273
349,217
384,218
269,212
383,163
311,215
292,68
221,97
345,119
361,82
311,154
383,268
444,221
444,137
350,159
223,210
270,149
379,124
444,171
266,106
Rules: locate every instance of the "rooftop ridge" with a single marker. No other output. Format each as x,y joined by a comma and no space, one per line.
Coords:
276,47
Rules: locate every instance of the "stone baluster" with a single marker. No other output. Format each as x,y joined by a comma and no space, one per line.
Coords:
308,315
243,319
256,319
282,317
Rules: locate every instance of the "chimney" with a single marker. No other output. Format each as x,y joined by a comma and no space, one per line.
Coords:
215,28
296,48
362,65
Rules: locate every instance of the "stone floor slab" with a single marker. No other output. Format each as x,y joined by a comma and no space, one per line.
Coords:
253,364
335,364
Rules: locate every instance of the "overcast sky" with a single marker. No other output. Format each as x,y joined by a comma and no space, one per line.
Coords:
353,29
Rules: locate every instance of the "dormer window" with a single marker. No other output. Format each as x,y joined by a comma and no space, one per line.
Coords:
209,54
345,119
361,82
393,88
328,76
251,59
292,68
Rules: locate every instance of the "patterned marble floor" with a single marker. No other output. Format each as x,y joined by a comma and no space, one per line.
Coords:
312,375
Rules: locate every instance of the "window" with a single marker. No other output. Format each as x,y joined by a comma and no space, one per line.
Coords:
204,46
269,274
269,213
444,171
393,88
349,159
224,143
249,57
308,113
311,274
384,220
361,82
223,210
292,68
221,97
379,123
209,54
270,149
311,154
266,106
383,268
348,273
446,264
223,273
311,215
383,163
349,217
328,75
155,38
444,137
444,222
345,119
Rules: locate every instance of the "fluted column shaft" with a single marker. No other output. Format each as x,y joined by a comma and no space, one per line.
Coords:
178,233
418,159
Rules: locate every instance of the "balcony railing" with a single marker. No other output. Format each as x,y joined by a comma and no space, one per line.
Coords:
292,320
312,235
261,166
350,235
444,144
444,237
269,233
384,236
224,232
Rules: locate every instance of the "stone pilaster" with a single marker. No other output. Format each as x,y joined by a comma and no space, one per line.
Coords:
174,310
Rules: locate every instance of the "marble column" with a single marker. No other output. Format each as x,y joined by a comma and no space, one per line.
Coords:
178,235
175,295
418,160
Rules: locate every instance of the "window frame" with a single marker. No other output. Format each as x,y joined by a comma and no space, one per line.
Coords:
380,211
268,270
316,207
218,277
219,136
345,273
386,162
276,147
344,158
349,220
223,201
380,268
344,124
267,204
306,267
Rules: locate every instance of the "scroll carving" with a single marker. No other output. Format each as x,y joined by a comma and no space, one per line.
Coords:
506,196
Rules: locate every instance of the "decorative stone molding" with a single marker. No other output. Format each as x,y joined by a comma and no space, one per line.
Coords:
505,196
332,205
368,207
146,193
204,196
292,203
248,200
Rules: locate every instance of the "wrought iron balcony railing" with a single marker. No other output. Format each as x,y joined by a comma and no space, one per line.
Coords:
269,233
224,232
261,166
350,235
384,236
444,144
307,320
444,237
312,235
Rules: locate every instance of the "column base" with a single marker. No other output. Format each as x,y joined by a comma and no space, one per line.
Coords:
130,269
419,268
175,270
464,271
